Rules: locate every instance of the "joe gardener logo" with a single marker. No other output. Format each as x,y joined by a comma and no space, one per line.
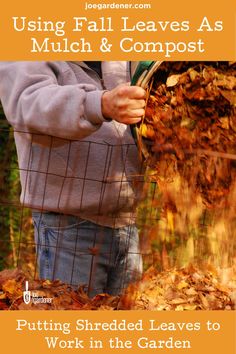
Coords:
34,297
26,293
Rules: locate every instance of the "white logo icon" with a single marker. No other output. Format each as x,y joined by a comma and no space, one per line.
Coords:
26,293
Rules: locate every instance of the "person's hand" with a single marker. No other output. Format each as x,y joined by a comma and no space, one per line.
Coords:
125,104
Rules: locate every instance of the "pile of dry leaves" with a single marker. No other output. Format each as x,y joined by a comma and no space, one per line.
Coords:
190,126
61,296
185,289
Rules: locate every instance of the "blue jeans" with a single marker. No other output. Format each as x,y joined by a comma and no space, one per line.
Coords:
79,252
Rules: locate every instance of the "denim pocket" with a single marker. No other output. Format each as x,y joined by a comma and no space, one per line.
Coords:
51,220
58,245
66,246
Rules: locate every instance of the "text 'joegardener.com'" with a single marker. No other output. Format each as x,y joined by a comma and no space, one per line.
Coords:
115,6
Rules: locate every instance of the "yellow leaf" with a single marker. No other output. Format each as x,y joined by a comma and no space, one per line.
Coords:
224,122
182,285
179,308
172,80
10,286
170,221
178,301
190,307
143,130
191,292
204,301
223,288
147,131
193,74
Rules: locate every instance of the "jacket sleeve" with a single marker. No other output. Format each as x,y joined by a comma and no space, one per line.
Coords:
33,101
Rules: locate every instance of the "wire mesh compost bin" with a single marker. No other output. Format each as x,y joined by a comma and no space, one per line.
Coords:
184,191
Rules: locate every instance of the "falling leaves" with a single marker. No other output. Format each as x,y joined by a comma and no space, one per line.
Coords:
192,156
192,107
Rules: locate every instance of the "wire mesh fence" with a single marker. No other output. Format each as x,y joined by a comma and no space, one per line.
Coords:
95,228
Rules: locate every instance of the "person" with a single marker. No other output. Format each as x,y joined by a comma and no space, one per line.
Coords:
79,167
